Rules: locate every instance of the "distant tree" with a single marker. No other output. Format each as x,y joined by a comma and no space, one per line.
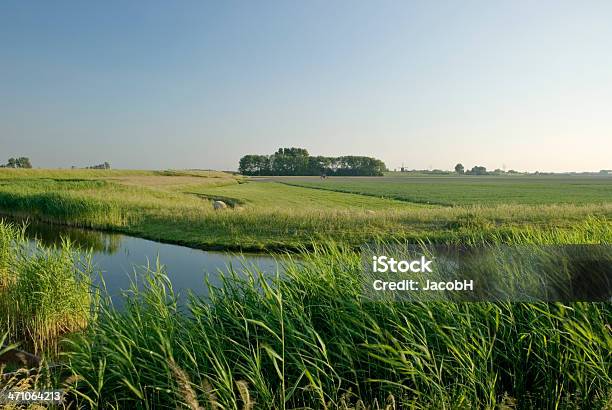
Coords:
290,161
459,168
246,166
254,165
356,165
23,162
320,165
478,170
104,165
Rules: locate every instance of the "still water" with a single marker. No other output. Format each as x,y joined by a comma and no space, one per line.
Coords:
120,259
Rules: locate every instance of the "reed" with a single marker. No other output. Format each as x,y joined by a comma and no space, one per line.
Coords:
45,293
9,236
310,339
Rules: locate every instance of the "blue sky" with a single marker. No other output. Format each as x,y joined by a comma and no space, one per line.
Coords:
198,84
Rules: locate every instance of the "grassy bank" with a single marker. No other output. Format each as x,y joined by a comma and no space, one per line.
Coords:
44,293
176,207
121,174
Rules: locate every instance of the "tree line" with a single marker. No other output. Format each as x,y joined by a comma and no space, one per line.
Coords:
297,161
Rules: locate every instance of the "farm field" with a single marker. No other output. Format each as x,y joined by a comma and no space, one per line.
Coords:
471,190
276,213
271,195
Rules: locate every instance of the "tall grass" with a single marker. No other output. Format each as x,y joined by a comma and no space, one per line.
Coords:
44,292
63,202
312,340
9,237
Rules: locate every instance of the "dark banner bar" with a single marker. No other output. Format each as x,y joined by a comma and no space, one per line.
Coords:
525,273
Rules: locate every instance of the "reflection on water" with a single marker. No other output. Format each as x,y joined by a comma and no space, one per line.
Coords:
118,257
98,242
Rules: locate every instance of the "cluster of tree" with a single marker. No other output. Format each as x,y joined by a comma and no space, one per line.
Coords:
297,161
104,165
21,162
478,170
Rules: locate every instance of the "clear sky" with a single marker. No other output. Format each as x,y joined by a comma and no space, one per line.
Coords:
198,84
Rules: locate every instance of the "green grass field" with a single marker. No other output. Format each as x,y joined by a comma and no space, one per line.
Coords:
272,195
472,190
175,206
